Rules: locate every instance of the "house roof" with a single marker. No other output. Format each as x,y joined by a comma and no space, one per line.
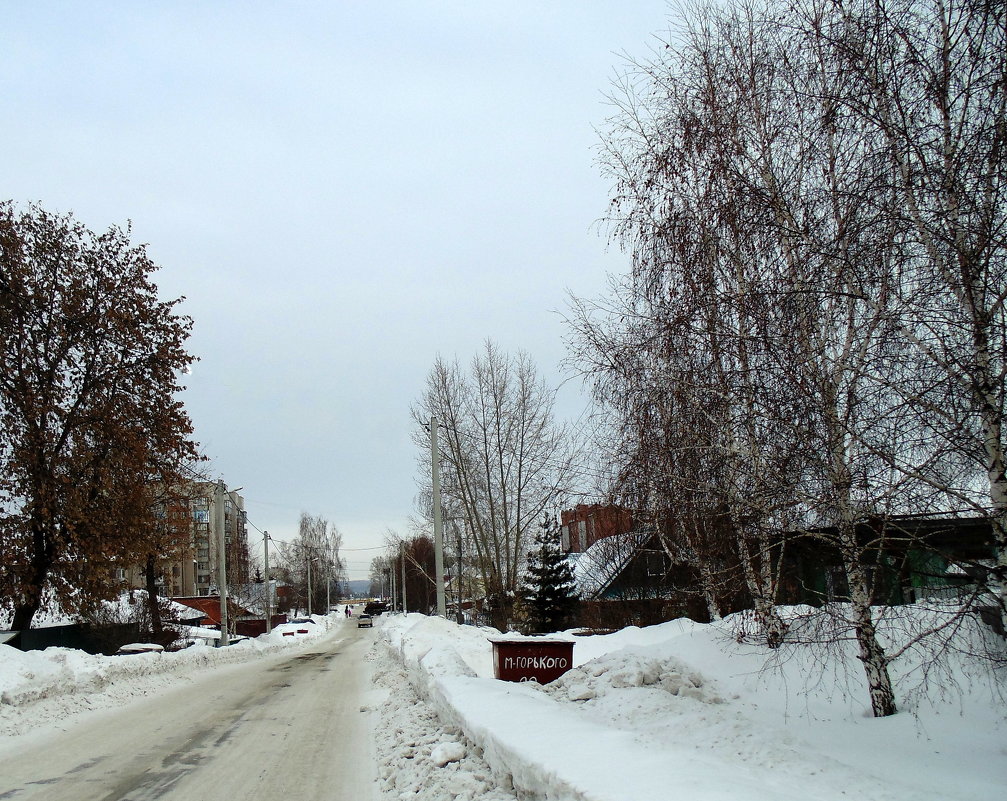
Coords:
209,605
596,568
967,537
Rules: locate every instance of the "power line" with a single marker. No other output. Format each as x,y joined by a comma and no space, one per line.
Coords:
579,472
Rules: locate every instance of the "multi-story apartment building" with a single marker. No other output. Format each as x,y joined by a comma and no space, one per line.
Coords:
195,522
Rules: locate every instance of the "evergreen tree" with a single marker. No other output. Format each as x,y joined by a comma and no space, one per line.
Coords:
549,590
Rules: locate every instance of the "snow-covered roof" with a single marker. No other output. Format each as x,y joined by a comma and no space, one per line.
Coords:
121,608
599,565
129,599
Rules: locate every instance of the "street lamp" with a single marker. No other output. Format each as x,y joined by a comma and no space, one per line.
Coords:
222,560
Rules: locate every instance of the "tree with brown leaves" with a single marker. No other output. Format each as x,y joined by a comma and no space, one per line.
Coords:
90,360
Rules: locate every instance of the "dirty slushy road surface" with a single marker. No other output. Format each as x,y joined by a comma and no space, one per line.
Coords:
284,728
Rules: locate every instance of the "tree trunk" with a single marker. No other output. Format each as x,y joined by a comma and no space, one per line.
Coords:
762,587
30,598
997,476
150,574
23,614
709,593
871,653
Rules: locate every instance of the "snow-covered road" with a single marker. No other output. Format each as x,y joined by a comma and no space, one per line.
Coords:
287,727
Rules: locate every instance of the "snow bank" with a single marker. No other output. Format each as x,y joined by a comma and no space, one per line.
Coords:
683,710
431,647
418,755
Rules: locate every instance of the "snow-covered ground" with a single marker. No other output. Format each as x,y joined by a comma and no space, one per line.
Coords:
676,711
673,711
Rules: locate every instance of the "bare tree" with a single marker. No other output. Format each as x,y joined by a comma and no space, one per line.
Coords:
933,79
701,391
812,197
421,584
312,562
504,460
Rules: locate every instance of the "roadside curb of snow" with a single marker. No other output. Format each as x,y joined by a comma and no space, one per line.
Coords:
418,755
434,673
514,723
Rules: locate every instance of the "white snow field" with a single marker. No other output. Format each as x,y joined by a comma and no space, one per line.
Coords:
675,711
682,711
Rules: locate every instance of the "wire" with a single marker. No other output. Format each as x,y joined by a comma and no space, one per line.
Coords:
580,472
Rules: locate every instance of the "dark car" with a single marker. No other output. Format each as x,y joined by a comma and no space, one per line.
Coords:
375,608
365,622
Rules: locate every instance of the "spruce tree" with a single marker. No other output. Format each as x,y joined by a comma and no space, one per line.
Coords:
549,589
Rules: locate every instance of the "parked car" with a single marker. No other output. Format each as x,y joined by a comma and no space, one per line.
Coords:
302,620
140,648
365,622
375,608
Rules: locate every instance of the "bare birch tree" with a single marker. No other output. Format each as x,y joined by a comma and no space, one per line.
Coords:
312,561
811,194
933,84
504,460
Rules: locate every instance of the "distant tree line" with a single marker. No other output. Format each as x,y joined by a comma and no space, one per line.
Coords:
311,566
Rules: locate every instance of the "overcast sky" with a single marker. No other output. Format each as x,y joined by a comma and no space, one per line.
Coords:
342,191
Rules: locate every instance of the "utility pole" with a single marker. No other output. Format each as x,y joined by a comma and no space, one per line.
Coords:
459,617
402,557
221,560
269,585
435,461
393,577
309,583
